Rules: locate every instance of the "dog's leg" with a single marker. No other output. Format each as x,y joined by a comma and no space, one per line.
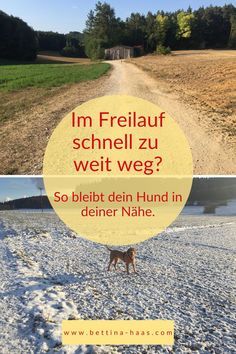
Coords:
115,263
109,266
127,268
134,268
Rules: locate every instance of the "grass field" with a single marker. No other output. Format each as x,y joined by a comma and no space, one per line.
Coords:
16,77
35,97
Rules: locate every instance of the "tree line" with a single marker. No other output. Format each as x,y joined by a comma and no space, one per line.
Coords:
210,27
71,44
18,41
203,192
36,202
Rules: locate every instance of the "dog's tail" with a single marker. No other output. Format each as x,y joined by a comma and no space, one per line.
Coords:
108,248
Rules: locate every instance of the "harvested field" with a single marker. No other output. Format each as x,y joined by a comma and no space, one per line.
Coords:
49,57
204,79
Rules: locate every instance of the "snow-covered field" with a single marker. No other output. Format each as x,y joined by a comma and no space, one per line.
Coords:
48,273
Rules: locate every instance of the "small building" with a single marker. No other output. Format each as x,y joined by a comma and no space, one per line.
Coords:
119,52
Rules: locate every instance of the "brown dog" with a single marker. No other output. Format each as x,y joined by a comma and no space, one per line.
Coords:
127,257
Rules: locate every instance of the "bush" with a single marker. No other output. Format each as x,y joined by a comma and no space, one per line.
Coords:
73,52
94,49
161,50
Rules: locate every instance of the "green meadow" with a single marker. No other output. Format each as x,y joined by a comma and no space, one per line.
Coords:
17,77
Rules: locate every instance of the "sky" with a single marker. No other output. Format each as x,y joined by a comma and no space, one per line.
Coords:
19,187
70,15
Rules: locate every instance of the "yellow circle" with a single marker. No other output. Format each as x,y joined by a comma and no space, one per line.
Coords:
118,170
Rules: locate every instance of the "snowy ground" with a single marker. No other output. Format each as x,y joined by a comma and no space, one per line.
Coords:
48,274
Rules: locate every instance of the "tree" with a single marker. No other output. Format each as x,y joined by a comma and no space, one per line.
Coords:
17,39
171,38
162,28
135,28
51,41
185,24
74,45
94,48
150,32
102,30
232,36
214,25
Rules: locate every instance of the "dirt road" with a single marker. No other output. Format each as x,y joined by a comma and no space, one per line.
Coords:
210,153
